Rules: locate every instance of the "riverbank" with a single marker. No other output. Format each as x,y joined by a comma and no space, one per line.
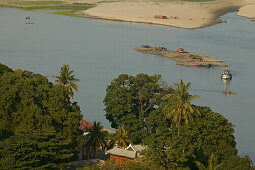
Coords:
63,7
180,14
177,13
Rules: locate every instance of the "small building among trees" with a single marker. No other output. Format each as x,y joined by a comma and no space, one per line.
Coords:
125,155
85,127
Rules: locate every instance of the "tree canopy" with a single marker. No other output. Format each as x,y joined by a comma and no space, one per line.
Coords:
36,117
130,99
210,133
152,113
4,68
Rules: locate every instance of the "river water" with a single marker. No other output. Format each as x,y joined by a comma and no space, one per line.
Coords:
98,51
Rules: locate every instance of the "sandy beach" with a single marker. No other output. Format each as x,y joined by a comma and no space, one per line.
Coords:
179,14
248,10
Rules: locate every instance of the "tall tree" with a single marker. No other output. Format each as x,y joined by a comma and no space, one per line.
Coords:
29,104
178,105
35,149
96,139
120,137
210,133
67,79
4,68
130,99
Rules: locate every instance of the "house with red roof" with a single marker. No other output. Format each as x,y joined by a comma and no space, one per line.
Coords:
85,127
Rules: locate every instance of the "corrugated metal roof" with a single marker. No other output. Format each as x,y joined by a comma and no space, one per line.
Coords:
126,153
138,147
122,152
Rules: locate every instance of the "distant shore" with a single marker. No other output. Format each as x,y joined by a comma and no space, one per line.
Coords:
189,15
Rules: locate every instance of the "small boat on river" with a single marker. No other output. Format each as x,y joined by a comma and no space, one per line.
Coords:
228,92
226,75
206,65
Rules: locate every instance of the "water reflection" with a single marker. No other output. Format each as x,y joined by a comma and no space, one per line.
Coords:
226,82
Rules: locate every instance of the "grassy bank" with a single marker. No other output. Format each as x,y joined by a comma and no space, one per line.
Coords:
68,9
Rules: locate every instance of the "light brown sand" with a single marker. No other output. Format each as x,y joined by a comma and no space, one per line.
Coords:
248,10
180,14
184,15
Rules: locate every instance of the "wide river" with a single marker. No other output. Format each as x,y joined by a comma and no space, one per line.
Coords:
98,51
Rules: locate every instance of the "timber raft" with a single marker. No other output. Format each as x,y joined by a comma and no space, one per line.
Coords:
182,57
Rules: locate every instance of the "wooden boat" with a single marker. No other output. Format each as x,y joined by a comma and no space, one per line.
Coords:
206,65
229,92
29,23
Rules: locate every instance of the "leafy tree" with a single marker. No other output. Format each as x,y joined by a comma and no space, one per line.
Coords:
120,137
96,138
178,106
67,79
35,149
210,133
30,106
133,165
236,162
130,99
4,68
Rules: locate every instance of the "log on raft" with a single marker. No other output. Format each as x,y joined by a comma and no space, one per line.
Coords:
182,58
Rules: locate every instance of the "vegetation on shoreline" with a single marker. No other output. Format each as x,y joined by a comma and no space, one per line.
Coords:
39,125
150,110
70,9
38,122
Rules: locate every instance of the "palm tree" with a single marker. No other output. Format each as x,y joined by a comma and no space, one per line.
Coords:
67,79
213,163
178,105
96,138
120,137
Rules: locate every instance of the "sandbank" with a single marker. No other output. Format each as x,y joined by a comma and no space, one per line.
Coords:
183,58
189,15
248,10
181,14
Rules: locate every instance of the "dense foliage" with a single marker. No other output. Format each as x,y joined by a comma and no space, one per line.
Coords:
206,135
96,139
176,134
120,137
135,165
129,100
38,123
4,68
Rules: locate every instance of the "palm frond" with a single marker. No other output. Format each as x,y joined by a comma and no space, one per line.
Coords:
67,79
